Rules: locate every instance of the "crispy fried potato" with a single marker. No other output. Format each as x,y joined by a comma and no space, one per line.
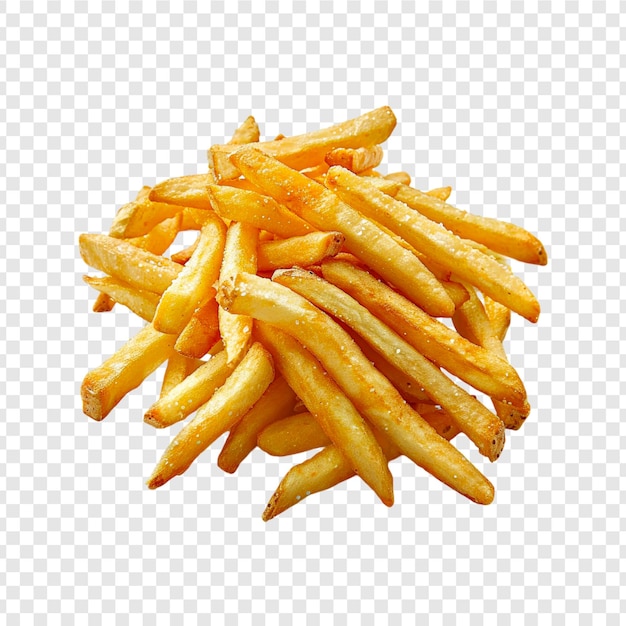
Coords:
161,237
307,150
364,238
372,394
245,385
240,255
260,211
178,368
471,363
355,159
277,402
292,435
190,394
435,241
140,216
399,177
105,386
142,303
305,250
201,333
248,132
120,259
335,413
483,427
185,191
194,285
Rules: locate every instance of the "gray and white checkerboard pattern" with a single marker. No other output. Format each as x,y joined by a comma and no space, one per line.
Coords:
519,106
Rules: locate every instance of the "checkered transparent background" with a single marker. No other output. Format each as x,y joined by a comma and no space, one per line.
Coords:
518,106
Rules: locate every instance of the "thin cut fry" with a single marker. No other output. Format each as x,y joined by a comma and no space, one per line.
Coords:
142,303
366,240
335,413
307,150
432,239
292,435
372,394
303,251
140,216
105,386
471,363
190,394
185,191
229,403
355,159
178,368
161,237
201,333
483,427
194,285
122,260
260,211
240,255
277,402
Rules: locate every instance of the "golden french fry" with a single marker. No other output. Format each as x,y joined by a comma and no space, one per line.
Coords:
240,255
435,241
336,414
499,316
182,256
194,284
366,240
178,368
185,191
277,402
442,193
226,407
329,468
190,394
120,259
140,217
105,386
471,363
307,150
372,394
260,211
161,237
399,177
139,301
303,251
201,333
248,132
502,237
291,435
483,427
355,159
472,322
317,172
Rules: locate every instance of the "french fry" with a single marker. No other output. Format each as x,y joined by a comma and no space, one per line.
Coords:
305,250
260,211
355,159
248,132
307,150
178,368
471,363
190,394
336,414
366,240
400,177
502,237
327,469
277,402
372,394
185,191
483,427
160,238
245,385
140,216
182,256
317,172
432,239
441,193
240,255
201,333
120,259
292,435
105,386
193,286
142,303
499,316
472,322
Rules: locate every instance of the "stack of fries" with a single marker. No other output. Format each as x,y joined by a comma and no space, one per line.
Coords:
322,305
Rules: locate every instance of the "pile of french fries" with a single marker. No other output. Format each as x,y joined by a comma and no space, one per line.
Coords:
323,305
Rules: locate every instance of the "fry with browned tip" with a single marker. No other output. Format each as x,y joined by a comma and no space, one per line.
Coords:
231,401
